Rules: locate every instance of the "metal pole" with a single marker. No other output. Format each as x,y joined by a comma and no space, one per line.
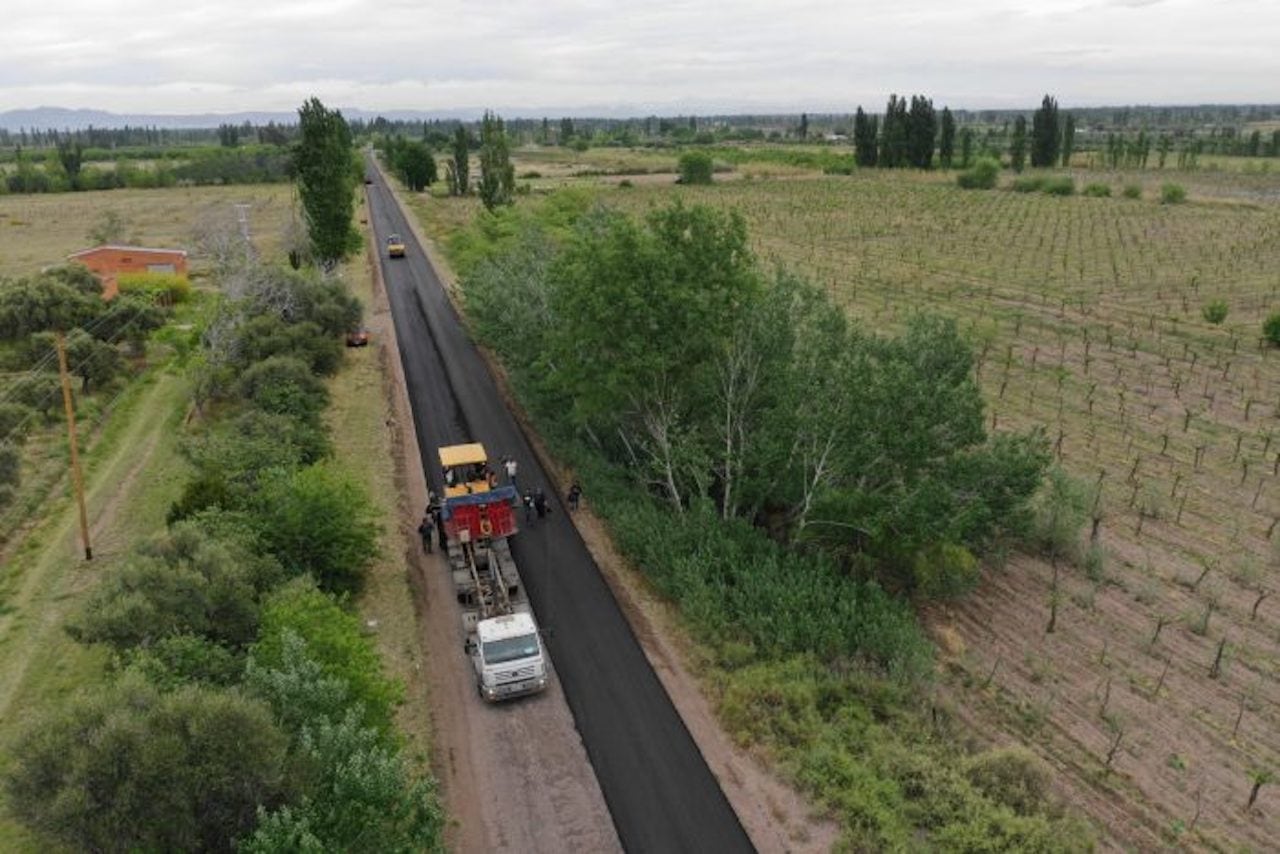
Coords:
77,480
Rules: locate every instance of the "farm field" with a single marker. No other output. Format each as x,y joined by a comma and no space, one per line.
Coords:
1155,696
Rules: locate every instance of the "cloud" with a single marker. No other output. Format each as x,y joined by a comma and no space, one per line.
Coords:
136,55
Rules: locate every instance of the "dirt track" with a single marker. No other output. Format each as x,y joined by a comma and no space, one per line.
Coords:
660,792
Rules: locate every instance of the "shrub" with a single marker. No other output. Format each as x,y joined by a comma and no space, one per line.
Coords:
284,385
1215,311
16,420
168,287
1027,183
1060,185
1098,190
181,584
982,176
345,672
318,520
131,769
1271,329
1173,194
695,167
363,798
1012,776
10,466
1132,191
1060,511
179,660
944,570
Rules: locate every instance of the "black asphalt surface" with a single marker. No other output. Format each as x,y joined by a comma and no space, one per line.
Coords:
660,792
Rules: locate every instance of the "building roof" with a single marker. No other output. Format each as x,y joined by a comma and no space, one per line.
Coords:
119,248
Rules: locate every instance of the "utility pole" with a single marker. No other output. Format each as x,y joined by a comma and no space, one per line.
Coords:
77,480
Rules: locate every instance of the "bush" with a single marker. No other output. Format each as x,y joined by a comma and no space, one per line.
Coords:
1173,194
182,584
363,798
1012,776
169,287
982,176
318,520
1060,185
1271,329
10,466
1215,311
1098,190
179,660
268,335
132,769
695,167
284,385
314,662
944,570
1027,183
16,420
1060,510
1132,191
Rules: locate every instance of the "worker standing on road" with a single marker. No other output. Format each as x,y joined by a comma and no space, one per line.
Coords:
575,496
425,531
528,508
440,531
511,466
540,503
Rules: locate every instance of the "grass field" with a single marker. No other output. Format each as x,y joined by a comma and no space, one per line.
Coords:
1086,318
41,230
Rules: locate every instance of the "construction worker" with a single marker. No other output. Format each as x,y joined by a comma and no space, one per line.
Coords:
512,467
574,496
527,500
540,503
424,531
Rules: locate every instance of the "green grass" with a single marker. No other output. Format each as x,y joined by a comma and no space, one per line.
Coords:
132,474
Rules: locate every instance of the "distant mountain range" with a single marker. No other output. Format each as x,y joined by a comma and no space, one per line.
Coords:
61,118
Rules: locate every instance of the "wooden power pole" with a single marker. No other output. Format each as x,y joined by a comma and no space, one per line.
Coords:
77,481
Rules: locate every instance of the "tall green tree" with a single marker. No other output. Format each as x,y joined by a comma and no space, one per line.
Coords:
1069,139
865,133
947,138
414,163
497,175
922,124
326,180
804,126
895,134
1018,145
566,130
1046,134
459,166
966,148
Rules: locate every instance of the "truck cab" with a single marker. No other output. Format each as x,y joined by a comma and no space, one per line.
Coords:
508,657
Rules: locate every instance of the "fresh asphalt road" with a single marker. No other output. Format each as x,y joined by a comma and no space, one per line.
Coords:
660,792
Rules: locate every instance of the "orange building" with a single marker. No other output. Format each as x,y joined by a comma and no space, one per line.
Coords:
108,262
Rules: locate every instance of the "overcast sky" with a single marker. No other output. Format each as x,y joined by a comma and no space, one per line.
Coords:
529,56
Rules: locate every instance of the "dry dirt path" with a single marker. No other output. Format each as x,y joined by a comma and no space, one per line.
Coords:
41,576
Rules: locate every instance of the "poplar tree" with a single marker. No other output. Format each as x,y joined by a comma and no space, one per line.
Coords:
1046,136
947,139
326,180
1068,139
894,134
966,148
459,167
865,131
922,130
497,175
1018,145
804,125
